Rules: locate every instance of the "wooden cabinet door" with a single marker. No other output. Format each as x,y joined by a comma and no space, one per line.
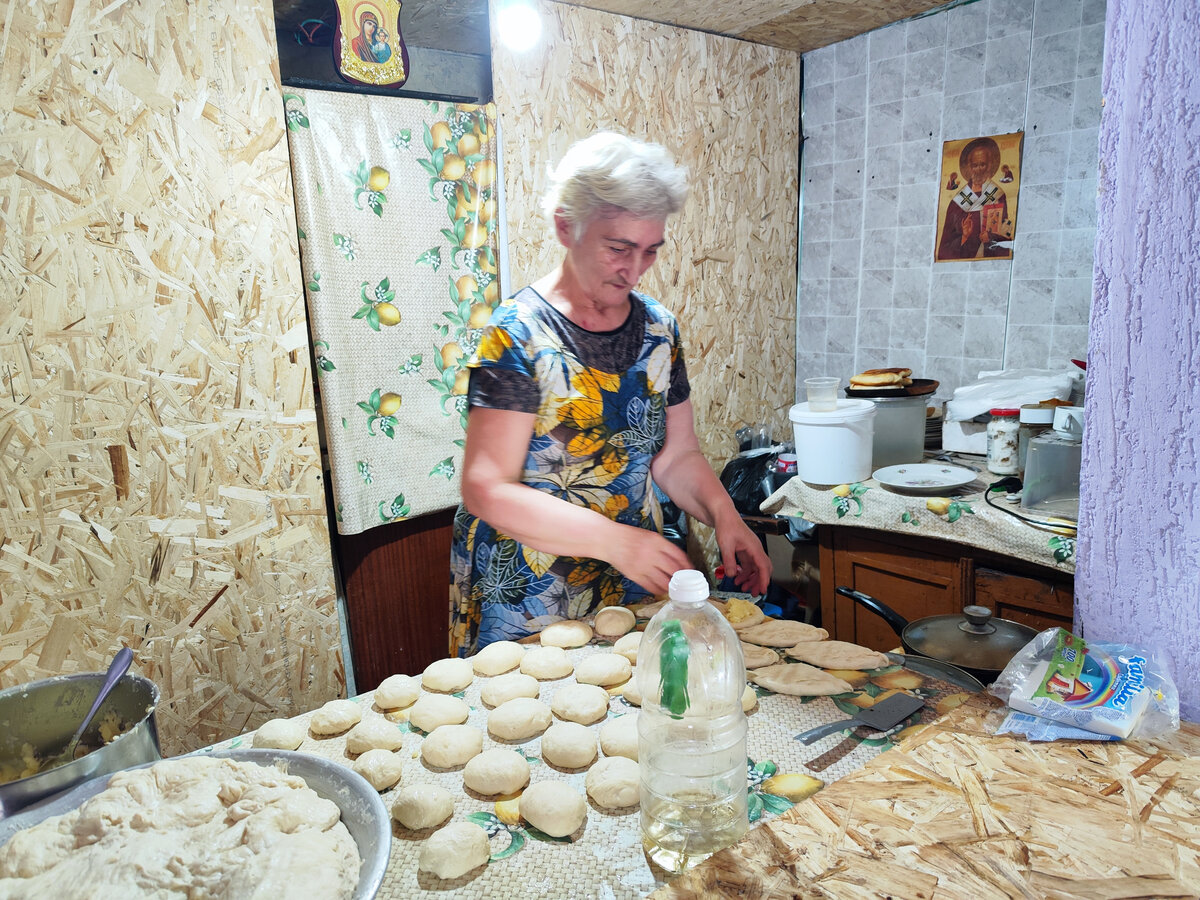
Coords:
1036,602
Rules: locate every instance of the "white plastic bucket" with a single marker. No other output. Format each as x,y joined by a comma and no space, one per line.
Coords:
834,447
899,431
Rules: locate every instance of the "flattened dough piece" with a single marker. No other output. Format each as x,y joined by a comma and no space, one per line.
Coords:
374,733
506,687
497,657
612,783
496,771
420,806
381,768
433,710
519,719
448,746
603,669
782,633
553,808
455,850
756,657
582,703
397,692
799,680
547,663
335,717
838,655
569,745
628,645
447,675
743,614
619,736
279,734
569,633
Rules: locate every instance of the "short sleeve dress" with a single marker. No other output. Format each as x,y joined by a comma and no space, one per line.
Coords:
600,402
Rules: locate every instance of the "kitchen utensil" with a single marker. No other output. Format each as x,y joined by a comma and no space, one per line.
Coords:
38,717
822,393
935,668
118,667
363,812
918,387
923,478
973,640
883,716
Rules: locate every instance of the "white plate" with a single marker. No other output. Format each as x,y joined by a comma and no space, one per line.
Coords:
923,478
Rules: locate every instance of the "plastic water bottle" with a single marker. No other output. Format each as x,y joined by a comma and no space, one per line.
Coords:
691,730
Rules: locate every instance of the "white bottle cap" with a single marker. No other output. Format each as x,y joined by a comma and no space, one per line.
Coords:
689,587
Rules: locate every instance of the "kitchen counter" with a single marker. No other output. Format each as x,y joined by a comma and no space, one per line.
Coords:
955,811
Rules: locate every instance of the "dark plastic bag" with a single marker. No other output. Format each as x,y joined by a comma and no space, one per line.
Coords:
748,479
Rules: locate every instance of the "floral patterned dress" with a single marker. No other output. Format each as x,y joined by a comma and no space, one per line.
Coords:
600,401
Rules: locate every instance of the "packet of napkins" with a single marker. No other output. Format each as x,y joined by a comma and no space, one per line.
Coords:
1103,688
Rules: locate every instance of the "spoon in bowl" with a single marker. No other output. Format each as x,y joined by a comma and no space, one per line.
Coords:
117,668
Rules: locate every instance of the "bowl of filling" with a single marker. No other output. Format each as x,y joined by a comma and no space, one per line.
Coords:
38,718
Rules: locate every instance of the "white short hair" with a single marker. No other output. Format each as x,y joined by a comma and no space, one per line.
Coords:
611,172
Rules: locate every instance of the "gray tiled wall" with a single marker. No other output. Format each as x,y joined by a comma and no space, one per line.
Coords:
876,111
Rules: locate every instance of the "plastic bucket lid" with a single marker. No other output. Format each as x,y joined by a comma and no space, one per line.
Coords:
847,411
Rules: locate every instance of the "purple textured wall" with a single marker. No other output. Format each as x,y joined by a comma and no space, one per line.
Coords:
1138,576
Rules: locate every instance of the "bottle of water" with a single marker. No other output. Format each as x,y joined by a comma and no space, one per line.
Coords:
691,730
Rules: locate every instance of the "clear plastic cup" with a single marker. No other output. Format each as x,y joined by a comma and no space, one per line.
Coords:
822,393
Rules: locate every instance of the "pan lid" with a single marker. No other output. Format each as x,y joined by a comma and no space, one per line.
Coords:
974,639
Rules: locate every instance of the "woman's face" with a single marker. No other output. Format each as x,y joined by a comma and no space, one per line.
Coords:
613,253
369,29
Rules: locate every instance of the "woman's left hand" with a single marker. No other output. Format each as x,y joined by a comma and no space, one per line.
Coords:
743,556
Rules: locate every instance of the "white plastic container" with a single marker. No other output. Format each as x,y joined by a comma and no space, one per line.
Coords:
691,729
834,447
899,431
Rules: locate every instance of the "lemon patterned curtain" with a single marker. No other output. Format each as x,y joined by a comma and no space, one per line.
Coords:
397,216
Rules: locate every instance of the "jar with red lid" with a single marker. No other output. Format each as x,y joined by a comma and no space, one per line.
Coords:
1003,441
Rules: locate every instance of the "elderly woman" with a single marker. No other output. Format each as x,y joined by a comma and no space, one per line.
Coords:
579,409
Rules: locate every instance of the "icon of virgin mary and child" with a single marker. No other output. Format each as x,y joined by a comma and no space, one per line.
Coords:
371,45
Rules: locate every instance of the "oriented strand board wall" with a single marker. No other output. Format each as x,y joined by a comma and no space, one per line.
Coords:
727,109
160,480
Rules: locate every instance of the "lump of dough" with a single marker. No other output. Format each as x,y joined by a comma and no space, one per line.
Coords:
420,806
749,699
518,719
433,710
631,692
570,633
547,663
619,736
497,657
447,675
582,703
397,692
553,808
603,669
381,768
628,646
448,746
279,734
455,850
612,783
335,717
614,621
507,687
569,745
374,734
496,771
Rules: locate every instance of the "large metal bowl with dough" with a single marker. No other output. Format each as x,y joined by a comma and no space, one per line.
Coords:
363,812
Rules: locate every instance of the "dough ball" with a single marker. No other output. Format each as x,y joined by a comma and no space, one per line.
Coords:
612,783
397,692
507,687
569,745
518,719
447,675
570,633
553,808
420,806
619,736
631,692
381,768
749,699
496,771
279,734
448,746
433,710
374,734
455,850
547,663
335,717
582,703
603,669
628,646
614,621
497,657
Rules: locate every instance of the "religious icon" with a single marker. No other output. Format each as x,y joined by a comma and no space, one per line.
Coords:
976,216
368,48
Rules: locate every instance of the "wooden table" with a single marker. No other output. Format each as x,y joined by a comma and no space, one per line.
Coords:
954,811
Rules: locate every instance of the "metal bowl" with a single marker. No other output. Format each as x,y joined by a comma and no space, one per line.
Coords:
363,812
41,716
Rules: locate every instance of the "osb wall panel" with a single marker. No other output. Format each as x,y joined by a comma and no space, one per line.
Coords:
160,476
729,111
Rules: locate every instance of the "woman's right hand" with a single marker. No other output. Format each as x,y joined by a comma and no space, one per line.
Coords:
646,558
